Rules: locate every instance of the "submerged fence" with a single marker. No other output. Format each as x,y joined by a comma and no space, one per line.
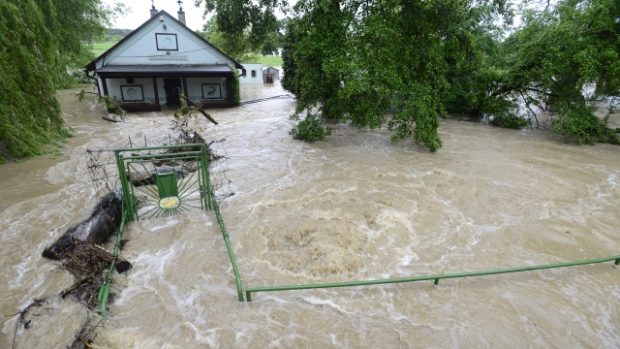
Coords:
435,277
172,190
161,181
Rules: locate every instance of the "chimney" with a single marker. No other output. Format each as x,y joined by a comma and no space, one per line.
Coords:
181,13
153,9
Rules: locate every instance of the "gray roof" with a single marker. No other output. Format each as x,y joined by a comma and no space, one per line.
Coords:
164,69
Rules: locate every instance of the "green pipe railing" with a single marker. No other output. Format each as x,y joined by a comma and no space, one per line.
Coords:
231,254
168,146
209,202
104,291
435,278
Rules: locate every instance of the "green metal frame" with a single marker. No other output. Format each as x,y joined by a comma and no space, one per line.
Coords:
435,277
130,213
231,253
209,202
126,158
104,291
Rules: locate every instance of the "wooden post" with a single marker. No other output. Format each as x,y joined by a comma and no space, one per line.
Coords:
105,86
156,90
185,88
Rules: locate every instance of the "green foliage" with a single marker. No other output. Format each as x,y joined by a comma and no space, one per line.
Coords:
29,114
242,28
40,42
289,65
112,105
577,124
235,89
75,25
556,54
356,61
509,120
237,44
472,68
311,129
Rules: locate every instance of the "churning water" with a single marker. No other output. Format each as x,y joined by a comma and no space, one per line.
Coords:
350,207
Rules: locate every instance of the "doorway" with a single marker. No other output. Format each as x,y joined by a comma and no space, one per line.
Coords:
172,87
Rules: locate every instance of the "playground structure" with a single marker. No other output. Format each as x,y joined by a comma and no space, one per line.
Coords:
165,180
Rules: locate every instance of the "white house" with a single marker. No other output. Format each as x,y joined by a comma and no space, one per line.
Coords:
161,59
270,74
253,74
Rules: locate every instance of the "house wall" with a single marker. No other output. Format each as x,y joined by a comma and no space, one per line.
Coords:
248,79
141,48
114,89
217,86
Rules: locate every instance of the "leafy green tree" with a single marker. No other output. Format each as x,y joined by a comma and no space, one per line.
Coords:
40,41
29,113
357,60
557,54
237,45
247,20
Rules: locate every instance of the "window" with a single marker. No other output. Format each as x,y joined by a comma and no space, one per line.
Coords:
253,73
166,42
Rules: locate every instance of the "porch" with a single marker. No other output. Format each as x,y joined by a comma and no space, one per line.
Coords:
148,88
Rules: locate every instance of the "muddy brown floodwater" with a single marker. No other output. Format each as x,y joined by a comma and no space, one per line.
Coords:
350,207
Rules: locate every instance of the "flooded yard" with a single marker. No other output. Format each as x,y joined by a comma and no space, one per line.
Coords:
353,206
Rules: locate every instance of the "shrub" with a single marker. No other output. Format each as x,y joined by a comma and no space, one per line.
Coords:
234,89
577,124
509,120
311,129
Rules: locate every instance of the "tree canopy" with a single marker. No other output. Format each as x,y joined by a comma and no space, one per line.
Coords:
40,41
358,60
408,63
242,27
559,53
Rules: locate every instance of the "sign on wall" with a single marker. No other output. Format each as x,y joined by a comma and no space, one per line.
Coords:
211,91
132,93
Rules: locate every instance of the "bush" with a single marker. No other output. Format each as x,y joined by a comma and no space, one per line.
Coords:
577,124
311,129
234,89
509,120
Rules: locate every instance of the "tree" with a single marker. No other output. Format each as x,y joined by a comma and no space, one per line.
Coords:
236,45
29,113
560,51
39,41
358,60
249,21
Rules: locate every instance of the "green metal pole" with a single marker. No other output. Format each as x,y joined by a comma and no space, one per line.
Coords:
205,185
104,291
435,277
231,254
127,195
169,146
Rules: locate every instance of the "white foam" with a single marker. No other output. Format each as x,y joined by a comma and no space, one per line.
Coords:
167,224
327,302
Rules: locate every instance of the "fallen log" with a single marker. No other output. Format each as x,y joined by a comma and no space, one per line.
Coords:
102,223
110,118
